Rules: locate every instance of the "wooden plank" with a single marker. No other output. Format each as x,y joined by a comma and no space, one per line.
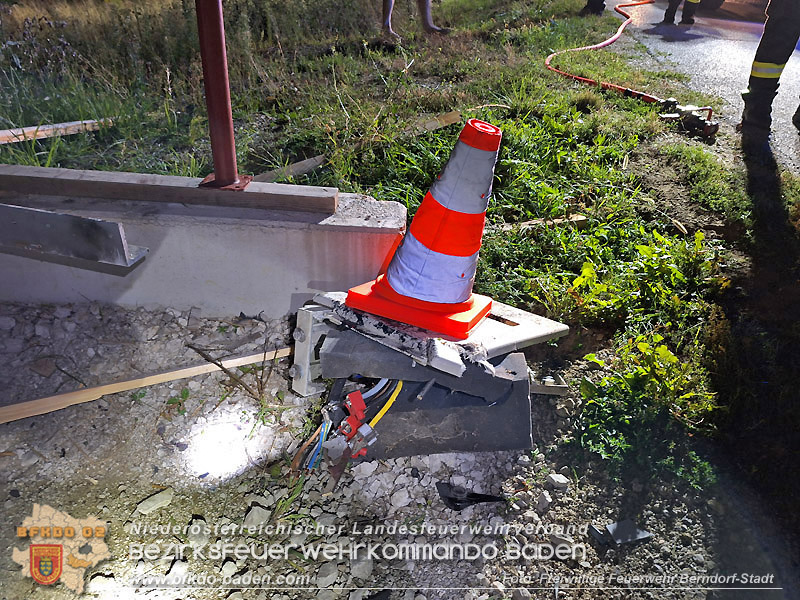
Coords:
437,122
293,170
164,188
37,132
54,403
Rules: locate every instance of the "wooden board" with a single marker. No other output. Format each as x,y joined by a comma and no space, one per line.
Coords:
8,136
434,123
53,403
164,188
293,170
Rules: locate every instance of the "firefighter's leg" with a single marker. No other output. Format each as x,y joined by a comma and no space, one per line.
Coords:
781,33
672,8
593,7
689,8
796,118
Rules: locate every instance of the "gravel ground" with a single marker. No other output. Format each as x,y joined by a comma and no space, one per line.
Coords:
216,460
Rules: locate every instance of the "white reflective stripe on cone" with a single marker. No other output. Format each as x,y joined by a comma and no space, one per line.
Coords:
418,272
467,175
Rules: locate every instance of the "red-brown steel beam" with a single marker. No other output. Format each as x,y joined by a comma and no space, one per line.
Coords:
211,30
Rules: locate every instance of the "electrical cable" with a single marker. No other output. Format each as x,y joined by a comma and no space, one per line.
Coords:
378,387
388,405
324,433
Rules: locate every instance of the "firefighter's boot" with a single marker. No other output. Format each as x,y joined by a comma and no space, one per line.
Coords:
757,114
689,8
669,15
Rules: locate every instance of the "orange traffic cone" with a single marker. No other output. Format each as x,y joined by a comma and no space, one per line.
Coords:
429,280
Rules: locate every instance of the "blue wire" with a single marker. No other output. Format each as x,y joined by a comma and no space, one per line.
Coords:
323,434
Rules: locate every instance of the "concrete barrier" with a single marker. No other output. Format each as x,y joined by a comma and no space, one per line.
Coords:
222,260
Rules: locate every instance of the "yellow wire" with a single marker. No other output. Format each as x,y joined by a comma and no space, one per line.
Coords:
388,404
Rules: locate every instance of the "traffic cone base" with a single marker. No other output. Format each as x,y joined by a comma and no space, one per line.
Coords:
454,320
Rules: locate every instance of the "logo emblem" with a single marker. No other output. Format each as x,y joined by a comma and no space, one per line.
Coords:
46,562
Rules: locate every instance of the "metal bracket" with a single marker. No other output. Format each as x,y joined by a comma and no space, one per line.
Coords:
551,385
66,239
308,336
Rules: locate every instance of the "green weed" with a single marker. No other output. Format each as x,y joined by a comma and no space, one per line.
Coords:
637,415
178,403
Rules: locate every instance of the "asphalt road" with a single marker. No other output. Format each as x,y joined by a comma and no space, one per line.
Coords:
716,53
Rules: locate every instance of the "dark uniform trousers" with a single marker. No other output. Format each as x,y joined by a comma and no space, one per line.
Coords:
689,8
781,34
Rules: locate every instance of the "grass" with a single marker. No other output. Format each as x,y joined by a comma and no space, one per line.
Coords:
304,86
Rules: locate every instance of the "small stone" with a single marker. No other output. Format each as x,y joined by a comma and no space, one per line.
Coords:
558,481
62,312
177,572
228,568
498,585
101,583
7,323
327,575
256,516
361,568
156,501
400,498
520,594
44,367
42,330
524,459
199,532
544,501
364,469
13,345
557,539
29,459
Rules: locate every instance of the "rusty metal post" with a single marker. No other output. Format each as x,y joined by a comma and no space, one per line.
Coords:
211,30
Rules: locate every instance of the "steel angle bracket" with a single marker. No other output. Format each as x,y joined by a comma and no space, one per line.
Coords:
71,240
308,336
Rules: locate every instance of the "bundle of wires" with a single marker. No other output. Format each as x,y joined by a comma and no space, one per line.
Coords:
378,401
